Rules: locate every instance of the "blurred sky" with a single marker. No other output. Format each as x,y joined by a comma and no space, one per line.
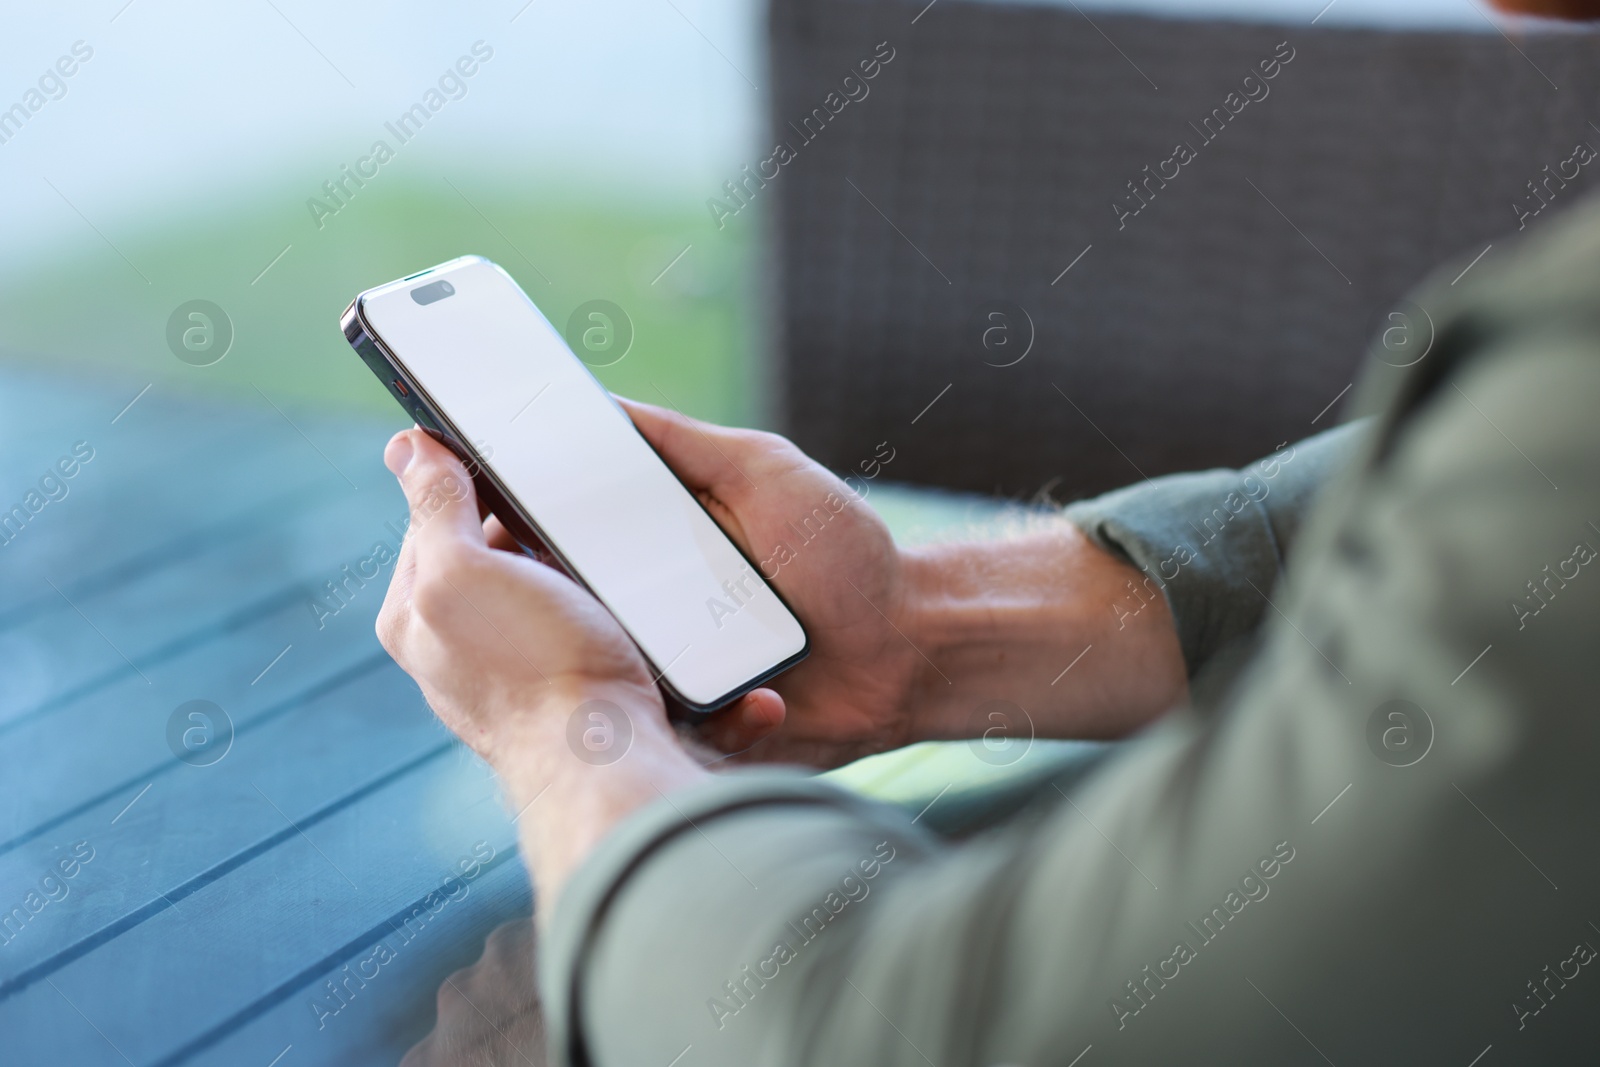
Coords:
185,100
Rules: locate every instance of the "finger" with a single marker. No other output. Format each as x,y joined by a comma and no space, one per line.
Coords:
498,537
702,454
421,1054
394,615
754,716
496,534
444,509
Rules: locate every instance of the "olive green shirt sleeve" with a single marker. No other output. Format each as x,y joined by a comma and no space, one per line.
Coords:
787,858
1215,542
1380,850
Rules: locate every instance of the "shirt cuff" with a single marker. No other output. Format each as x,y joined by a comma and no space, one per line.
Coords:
1214,542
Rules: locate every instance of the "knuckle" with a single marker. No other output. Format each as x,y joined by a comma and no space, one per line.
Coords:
449,997
388,629
502,941
765,442
431,495
435,469
434,597
452,574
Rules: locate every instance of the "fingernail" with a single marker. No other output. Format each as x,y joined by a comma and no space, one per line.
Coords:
397,456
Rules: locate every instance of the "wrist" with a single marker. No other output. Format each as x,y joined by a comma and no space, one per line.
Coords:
971,610
579,762
582,735
928,611
1033,621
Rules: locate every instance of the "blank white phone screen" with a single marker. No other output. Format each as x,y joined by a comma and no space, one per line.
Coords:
499,371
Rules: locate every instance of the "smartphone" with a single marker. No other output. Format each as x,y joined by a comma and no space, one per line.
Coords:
552,454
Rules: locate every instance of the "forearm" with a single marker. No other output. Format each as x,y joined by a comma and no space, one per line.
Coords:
1095,627
1076,637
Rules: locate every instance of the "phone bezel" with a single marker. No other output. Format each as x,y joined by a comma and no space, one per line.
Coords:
419,403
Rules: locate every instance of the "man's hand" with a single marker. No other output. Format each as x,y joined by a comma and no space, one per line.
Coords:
507,650
905,646
915,645
492,637
489,1014
831,558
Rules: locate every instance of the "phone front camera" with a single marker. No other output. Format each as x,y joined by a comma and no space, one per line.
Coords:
432,292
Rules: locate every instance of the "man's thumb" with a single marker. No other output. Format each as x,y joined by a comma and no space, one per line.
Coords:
443,506
702,454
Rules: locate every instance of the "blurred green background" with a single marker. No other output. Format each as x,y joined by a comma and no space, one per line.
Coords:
693,328
178,163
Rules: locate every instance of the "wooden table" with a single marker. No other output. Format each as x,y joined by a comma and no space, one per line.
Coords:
293,895
216,887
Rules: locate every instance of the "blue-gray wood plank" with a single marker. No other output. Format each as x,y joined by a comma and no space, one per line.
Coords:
179,566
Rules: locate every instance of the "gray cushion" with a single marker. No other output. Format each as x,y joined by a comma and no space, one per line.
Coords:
1208,329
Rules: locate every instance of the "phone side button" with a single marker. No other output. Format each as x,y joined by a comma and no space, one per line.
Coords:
400,387
424,420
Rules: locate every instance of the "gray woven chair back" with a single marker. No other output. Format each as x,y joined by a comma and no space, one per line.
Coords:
923,229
